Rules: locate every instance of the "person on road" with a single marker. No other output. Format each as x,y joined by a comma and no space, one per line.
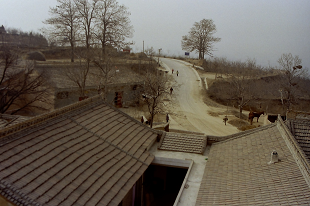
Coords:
225,119
172,71
171,90
167,118
177,72
142,119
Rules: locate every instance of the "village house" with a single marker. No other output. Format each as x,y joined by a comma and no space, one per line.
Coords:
90,153
122,89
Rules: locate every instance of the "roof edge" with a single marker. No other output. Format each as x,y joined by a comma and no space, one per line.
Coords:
15,196
158,132
50,115
295,149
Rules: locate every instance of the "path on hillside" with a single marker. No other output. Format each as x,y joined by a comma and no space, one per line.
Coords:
188,111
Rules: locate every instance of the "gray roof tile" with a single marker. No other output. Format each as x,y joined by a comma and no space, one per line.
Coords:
301,131
183,143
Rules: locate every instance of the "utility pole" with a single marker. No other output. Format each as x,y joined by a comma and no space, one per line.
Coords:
159,54
143,46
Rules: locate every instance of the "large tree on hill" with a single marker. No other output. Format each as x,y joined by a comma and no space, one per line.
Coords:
112,24
200,38
64,22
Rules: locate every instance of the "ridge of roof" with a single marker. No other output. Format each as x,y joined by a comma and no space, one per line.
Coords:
221,139
50,115
12,119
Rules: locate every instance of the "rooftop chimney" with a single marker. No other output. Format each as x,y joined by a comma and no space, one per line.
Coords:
274,157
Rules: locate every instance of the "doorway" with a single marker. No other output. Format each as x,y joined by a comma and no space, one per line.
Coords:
162,184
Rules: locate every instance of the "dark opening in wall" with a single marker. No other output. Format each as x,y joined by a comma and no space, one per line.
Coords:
162,185
273,118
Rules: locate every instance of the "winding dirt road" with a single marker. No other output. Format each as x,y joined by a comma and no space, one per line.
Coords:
188,111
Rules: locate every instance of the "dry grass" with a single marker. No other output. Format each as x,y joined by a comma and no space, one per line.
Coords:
214,114
241,124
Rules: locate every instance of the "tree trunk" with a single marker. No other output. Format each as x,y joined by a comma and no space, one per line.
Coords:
72,53
152,115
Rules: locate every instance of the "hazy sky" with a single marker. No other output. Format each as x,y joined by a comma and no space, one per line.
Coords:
254,29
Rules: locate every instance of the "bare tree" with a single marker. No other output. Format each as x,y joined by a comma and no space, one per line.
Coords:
64,22
241,91
112,24
241,87
78,73
22,88
200,38
86,14
292,72
154,90
106,73
150,51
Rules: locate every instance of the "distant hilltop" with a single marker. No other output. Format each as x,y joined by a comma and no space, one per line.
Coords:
17,38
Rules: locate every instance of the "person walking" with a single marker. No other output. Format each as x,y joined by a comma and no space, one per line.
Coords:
142,119
172,71
171,90
225,119
177,72
167,118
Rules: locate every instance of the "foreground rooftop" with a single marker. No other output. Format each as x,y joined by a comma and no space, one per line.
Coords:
239,172
87,153
90,153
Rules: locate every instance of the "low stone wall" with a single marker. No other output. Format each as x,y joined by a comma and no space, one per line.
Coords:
128,93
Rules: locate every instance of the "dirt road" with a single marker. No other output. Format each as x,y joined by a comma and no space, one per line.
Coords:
188,111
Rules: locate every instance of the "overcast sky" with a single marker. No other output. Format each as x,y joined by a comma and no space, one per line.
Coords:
249,29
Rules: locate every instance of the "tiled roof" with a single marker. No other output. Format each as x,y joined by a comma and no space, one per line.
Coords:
92,154
183,142
292,114
237,171
300,129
